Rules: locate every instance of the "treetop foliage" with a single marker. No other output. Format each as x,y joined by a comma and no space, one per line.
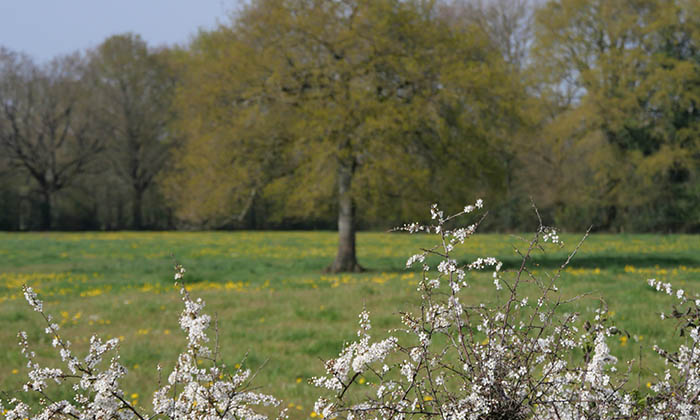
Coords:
294,110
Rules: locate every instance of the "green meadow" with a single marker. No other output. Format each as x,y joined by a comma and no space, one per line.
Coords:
276,311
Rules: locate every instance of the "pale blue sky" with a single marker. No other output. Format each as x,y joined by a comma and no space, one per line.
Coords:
46,28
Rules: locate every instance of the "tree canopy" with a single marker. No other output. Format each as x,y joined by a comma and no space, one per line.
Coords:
46,130
359,114
134,86
631,76
337,106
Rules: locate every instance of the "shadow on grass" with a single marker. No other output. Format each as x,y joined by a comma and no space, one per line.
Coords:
604,262
617,262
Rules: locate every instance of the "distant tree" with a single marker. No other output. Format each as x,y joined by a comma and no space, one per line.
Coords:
509,26
46,129
134,90
627,75
329,104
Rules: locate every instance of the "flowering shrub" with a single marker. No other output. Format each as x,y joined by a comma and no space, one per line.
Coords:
518,358
191,392
522,357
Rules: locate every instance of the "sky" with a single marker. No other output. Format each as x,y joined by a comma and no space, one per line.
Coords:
44,29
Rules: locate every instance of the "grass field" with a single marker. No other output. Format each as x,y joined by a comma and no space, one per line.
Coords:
273,303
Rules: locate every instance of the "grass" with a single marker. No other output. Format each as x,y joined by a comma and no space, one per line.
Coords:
278,312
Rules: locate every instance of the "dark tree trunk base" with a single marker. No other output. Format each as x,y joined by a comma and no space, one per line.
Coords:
348,267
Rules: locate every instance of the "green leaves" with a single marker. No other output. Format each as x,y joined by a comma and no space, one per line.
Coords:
631,73
386,86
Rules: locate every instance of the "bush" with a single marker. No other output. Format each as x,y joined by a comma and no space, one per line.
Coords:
199,387
518,358
521,357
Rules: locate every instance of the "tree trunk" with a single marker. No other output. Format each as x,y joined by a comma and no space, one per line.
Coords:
346,260
46,210
136,209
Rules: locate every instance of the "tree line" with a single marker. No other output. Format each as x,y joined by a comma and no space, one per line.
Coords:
360,114
83,138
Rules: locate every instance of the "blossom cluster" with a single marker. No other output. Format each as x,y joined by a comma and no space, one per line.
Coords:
512,359
199,386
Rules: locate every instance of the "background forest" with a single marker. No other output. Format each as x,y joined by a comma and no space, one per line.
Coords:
303,114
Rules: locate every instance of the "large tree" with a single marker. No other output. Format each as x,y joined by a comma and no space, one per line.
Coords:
360,101
46,127
134,90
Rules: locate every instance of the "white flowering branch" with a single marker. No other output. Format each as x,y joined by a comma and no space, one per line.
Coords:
510,360
192,392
